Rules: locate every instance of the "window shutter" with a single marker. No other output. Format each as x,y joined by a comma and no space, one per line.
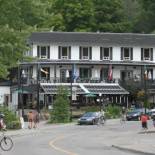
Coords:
110,53
69,52
121,53
59,53
131,54
90,53
80,55
38,53
101,53
142,51
151,54
48,52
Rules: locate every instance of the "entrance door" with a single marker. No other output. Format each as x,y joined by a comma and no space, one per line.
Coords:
63,75
126,75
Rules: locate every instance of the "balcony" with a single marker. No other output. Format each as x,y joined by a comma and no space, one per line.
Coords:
66,80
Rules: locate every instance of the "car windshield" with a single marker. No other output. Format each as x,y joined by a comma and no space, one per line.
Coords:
89,114
135,111
138,111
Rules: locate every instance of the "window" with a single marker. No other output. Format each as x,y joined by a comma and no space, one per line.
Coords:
126,53
43,52
85,53
147,54
64,52
106,53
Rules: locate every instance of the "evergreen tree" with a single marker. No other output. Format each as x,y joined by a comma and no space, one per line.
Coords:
61,107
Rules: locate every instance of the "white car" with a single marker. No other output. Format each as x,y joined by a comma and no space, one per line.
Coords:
152,112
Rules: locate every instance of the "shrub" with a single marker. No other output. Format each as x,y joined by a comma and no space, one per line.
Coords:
9,117
113,111
14,125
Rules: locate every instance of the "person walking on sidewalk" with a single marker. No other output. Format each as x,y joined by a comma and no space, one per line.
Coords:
30,119
144,119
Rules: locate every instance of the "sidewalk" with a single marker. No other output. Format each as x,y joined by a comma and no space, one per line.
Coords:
137,142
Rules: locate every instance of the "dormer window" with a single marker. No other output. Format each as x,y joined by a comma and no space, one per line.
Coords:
64,52
43,52
106,53
126,53
85,53
147,54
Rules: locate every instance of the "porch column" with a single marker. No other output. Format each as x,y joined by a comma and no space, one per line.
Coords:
55,74
127,104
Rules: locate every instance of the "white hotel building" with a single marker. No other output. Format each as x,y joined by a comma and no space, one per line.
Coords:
87,56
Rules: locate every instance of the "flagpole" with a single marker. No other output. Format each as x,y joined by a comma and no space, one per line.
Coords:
145,87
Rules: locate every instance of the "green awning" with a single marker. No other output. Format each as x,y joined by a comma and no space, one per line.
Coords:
23,91
90,95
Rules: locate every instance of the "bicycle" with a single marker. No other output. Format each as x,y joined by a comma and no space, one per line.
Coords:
123,119
101,121
6,142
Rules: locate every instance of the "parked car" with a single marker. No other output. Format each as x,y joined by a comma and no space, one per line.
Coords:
152,113
136,114
89,118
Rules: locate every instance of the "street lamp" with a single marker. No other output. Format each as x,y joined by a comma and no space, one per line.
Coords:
23,76
100,95
38,87
71,81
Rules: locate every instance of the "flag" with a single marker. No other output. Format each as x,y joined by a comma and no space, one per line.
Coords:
110,73
149,75
42,70
145,73
74,71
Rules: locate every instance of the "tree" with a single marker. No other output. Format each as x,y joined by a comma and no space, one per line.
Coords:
110,17
146,20
73,15
12,47
61,112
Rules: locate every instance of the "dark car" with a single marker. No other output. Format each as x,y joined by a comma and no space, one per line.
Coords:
89,118
135,114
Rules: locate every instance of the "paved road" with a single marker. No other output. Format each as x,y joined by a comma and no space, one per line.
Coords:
73,140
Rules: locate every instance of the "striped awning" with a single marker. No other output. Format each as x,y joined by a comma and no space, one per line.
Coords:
84,88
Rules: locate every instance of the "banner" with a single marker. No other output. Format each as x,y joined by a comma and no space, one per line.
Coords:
110,73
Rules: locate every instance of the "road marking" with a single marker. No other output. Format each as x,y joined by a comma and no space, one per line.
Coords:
51,143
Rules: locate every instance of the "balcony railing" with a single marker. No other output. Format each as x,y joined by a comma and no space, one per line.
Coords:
67,80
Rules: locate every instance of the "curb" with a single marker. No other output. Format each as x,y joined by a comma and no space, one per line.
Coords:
132,150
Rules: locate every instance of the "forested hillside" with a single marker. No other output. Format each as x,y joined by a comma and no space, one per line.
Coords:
18,18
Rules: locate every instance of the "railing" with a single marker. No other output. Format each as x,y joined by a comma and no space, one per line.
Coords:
137,84
67,80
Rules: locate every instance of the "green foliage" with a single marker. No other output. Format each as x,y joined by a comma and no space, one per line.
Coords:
14,125
112,111
10,118
61,107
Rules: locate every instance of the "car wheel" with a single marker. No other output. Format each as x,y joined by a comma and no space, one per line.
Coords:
93,122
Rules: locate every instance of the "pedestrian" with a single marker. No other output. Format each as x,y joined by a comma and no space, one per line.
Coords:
35,119
144,119
30,119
